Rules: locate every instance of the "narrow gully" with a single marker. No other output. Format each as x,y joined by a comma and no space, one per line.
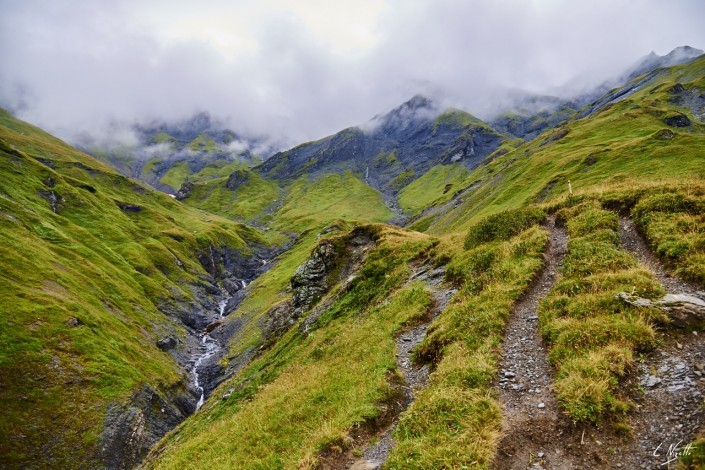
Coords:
209,346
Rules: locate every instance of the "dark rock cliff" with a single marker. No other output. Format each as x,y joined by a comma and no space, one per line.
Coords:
393,149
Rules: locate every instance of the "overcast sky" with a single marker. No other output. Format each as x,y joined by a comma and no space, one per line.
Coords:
302,69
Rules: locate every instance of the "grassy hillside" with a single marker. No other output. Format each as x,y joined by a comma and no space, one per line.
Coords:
304,400
92,256
90,260
625,143
307,391
308,209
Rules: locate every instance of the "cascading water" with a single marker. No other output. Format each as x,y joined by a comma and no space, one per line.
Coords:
221,307
210,347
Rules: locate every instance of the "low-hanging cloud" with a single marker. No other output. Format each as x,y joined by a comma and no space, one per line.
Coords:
296,71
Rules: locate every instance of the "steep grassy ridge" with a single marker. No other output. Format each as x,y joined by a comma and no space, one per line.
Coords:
625,143
88,259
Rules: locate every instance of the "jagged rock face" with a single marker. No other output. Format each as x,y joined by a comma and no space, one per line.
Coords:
132,429
410,139
184,191
310,279
332,262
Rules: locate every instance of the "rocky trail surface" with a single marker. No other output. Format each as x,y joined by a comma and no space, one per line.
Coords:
415,377
533,425
670,412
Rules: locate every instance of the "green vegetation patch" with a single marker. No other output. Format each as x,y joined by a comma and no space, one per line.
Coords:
456,421
593,335
247,202
308,392
503,225
402,179
438,184
674,224
176,175
457,118
310,204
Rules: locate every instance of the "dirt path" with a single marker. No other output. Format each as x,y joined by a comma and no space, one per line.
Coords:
533,424
635,244
415,378
670,411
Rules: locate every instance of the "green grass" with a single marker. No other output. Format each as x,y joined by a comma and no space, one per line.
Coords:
203,144
217,169
432,185
674,224
594,336
111,270
306,393
311,204
176,175
246,203
617,146
457,118
402,179
163,138
456,421
148,170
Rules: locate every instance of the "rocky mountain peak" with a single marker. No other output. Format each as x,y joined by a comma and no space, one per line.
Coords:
679,55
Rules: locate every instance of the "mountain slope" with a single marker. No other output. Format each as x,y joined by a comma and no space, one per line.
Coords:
311,373
323,374
393,149
654,134
166,155
100,273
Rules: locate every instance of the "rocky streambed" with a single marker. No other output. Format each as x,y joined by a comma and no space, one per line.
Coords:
132,427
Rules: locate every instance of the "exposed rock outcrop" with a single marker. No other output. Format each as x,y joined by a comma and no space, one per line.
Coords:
683,309
53,198
677,120
332,263
126,207
184,191
167,343
131,429
237,178
310,279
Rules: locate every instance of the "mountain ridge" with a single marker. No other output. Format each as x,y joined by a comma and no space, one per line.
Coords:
126,301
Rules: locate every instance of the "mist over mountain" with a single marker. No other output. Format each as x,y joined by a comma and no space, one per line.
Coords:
424,277
151,151
301,72
355,234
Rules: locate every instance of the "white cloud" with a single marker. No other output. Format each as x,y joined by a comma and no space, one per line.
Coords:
298,70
